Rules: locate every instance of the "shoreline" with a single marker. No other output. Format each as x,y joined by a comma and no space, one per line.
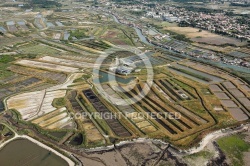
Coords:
203,143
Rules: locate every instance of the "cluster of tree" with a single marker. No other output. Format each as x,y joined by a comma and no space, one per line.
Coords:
137,13
203,10
79,33
6,59
187,24
181,37
244,20
241,18
233,34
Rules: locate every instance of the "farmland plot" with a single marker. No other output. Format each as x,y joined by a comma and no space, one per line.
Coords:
246,102
156,101
215,88
92,133
113,123
68,62
240,82
90,129
40,22
15,87
55,120
235,101
228,103
166,127
88,49
11,26
42,74
237,93
221,95
246,88
130,112
238,114
194,74
155,61
90,59
64,123
237,54
65,47
192,115
46,105
97,45
12,79
49,115
228,85
39,49
75,105
34,104
27,104
153,104
22,25
168,89
48,66
163,93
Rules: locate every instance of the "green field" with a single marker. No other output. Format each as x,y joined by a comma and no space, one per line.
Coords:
234,146
3,72
59,102
4,63
38,49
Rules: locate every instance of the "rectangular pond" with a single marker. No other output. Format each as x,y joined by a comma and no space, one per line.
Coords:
212,78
